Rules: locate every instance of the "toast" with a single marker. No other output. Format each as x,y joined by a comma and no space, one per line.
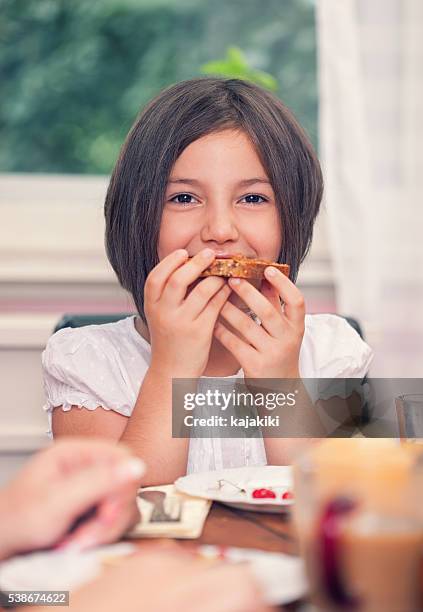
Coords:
239,266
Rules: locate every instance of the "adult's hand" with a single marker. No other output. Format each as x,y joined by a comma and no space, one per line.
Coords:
170,580
61,484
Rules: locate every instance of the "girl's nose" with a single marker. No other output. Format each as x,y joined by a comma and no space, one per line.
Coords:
219,225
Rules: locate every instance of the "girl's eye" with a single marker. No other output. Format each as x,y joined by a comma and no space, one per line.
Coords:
186,199
183,198
254,198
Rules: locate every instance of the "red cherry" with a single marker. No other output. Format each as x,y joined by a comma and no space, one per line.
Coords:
288,495
264,494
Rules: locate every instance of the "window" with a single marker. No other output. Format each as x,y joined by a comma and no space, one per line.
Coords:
75,74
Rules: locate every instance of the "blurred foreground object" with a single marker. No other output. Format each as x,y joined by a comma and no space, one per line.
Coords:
360,522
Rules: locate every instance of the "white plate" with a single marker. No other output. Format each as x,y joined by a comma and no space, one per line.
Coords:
57,570
282,577
206,485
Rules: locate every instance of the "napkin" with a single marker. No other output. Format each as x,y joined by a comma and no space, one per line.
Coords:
194,511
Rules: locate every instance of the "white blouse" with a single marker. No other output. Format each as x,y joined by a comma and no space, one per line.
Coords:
103,366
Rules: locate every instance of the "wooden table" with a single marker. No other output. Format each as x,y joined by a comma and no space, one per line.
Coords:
227,526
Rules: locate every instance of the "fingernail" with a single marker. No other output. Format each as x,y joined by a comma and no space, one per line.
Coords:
207,253
131,469
270,271
182,252
235,281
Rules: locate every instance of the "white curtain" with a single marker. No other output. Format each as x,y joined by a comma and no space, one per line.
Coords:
371,143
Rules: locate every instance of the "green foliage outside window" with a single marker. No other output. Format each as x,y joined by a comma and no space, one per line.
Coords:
75,73
235,65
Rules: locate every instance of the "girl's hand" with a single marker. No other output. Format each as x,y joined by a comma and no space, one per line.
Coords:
181,326
59,485
271,350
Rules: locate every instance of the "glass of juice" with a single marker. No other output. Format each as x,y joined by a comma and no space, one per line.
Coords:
359,518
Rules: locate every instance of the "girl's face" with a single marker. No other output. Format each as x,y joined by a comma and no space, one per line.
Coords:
219,196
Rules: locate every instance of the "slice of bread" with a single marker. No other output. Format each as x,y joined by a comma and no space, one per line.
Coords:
239,266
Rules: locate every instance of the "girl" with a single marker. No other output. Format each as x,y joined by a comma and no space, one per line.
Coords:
212,167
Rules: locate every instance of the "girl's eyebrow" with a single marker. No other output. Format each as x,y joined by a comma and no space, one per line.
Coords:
243,183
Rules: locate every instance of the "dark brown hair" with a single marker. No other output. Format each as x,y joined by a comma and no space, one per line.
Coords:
174,119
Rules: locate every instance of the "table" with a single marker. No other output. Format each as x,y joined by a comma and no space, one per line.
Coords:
227,526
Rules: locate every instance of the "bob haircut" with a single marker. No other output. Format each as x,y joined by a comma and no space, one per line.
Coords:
178,116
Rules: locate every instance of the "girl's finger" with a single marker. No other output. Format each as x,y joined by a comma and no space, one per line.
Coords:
156,280
254,334
272,319
211,311
294,306
200,296
239,349
271,294
178,283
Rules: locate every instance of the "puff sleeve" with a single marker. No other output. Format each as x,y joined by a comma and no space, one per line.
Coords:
87,368
333,349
